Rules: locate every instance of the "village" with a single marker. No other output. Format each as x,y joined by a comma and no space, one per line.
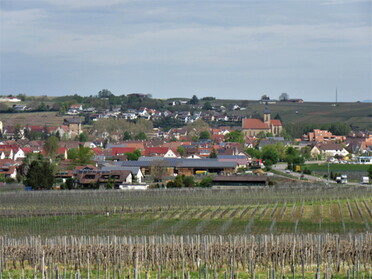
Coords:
101,156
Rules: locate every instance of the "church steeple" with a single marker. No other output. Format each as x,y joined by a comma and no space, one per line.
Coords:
267,116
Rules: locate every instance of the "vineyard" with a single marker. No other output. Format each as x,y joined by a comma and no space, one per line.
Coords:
184,212
294,232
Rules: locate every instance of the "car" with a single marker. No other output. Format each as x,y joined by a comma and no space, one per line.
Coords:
287,171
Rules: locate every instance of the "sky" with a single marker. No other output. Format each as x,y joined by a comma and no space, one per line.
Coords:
226,49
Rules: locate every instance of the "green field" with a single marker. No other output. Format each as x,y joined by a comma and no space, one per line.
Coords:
338,167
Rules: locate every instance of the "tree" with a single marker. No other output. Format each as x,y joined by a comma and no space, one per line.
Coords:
104,93
370,172
235,136
207,106
181,181
188,181
22,97
18,132
181,150
194,100
81,155
40,175
204,135
270,155
277,116
141,136
213,154
255,153
51,146
83,137
158,169
206,181
127,135
196,127
133,156
284,97
340,129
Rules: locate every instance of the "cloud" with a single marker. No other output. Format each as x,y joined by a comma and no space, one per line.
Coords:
21,18
198,40
78,4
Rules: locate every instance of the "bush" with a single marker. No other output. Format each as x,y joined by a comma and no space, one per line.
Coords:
306,171
206,182
181,181
10,180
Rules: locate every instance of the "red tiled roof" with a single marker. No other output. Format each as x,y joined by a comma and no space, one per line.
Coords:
217,137
122,150
97,151
276,122
155,150
9,162
35,128
331,146
27,150
86,166
251,123
62,150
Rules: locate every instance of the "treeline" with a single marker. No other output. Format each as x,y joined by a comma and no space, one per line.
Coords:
129,130
299,129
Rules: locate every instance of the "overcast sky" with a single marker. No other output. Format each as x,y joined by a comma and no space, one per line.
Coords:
227,49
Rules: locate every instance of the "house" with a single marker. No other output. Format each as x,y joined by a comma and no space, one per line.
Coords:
11,132
6,153
87,176
10,99
18,153
136,171
75,109
297,101
74,126
117,177
322,136
365,160
143,112
161,151
252,127
329,150
19,107
177,133
265,100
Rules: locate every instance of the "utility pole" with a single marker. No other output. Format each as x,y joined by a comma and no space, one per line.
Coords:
328,171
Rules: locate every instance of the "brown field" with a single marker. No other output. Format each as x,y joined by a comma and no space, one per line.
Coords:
49,118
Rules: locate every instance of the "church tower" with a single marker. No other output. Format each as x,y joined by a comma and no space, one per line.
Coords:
267,116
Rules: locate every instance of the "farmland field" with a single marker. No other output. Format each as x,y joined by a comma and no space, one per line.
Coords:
48,118
297,232
338,167
184,212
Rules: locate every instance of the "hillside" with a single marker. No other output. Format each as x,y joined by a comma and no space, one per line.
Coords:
357,114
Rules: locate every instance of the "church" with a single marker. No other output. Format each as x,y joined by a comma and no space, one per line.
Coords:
252,127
